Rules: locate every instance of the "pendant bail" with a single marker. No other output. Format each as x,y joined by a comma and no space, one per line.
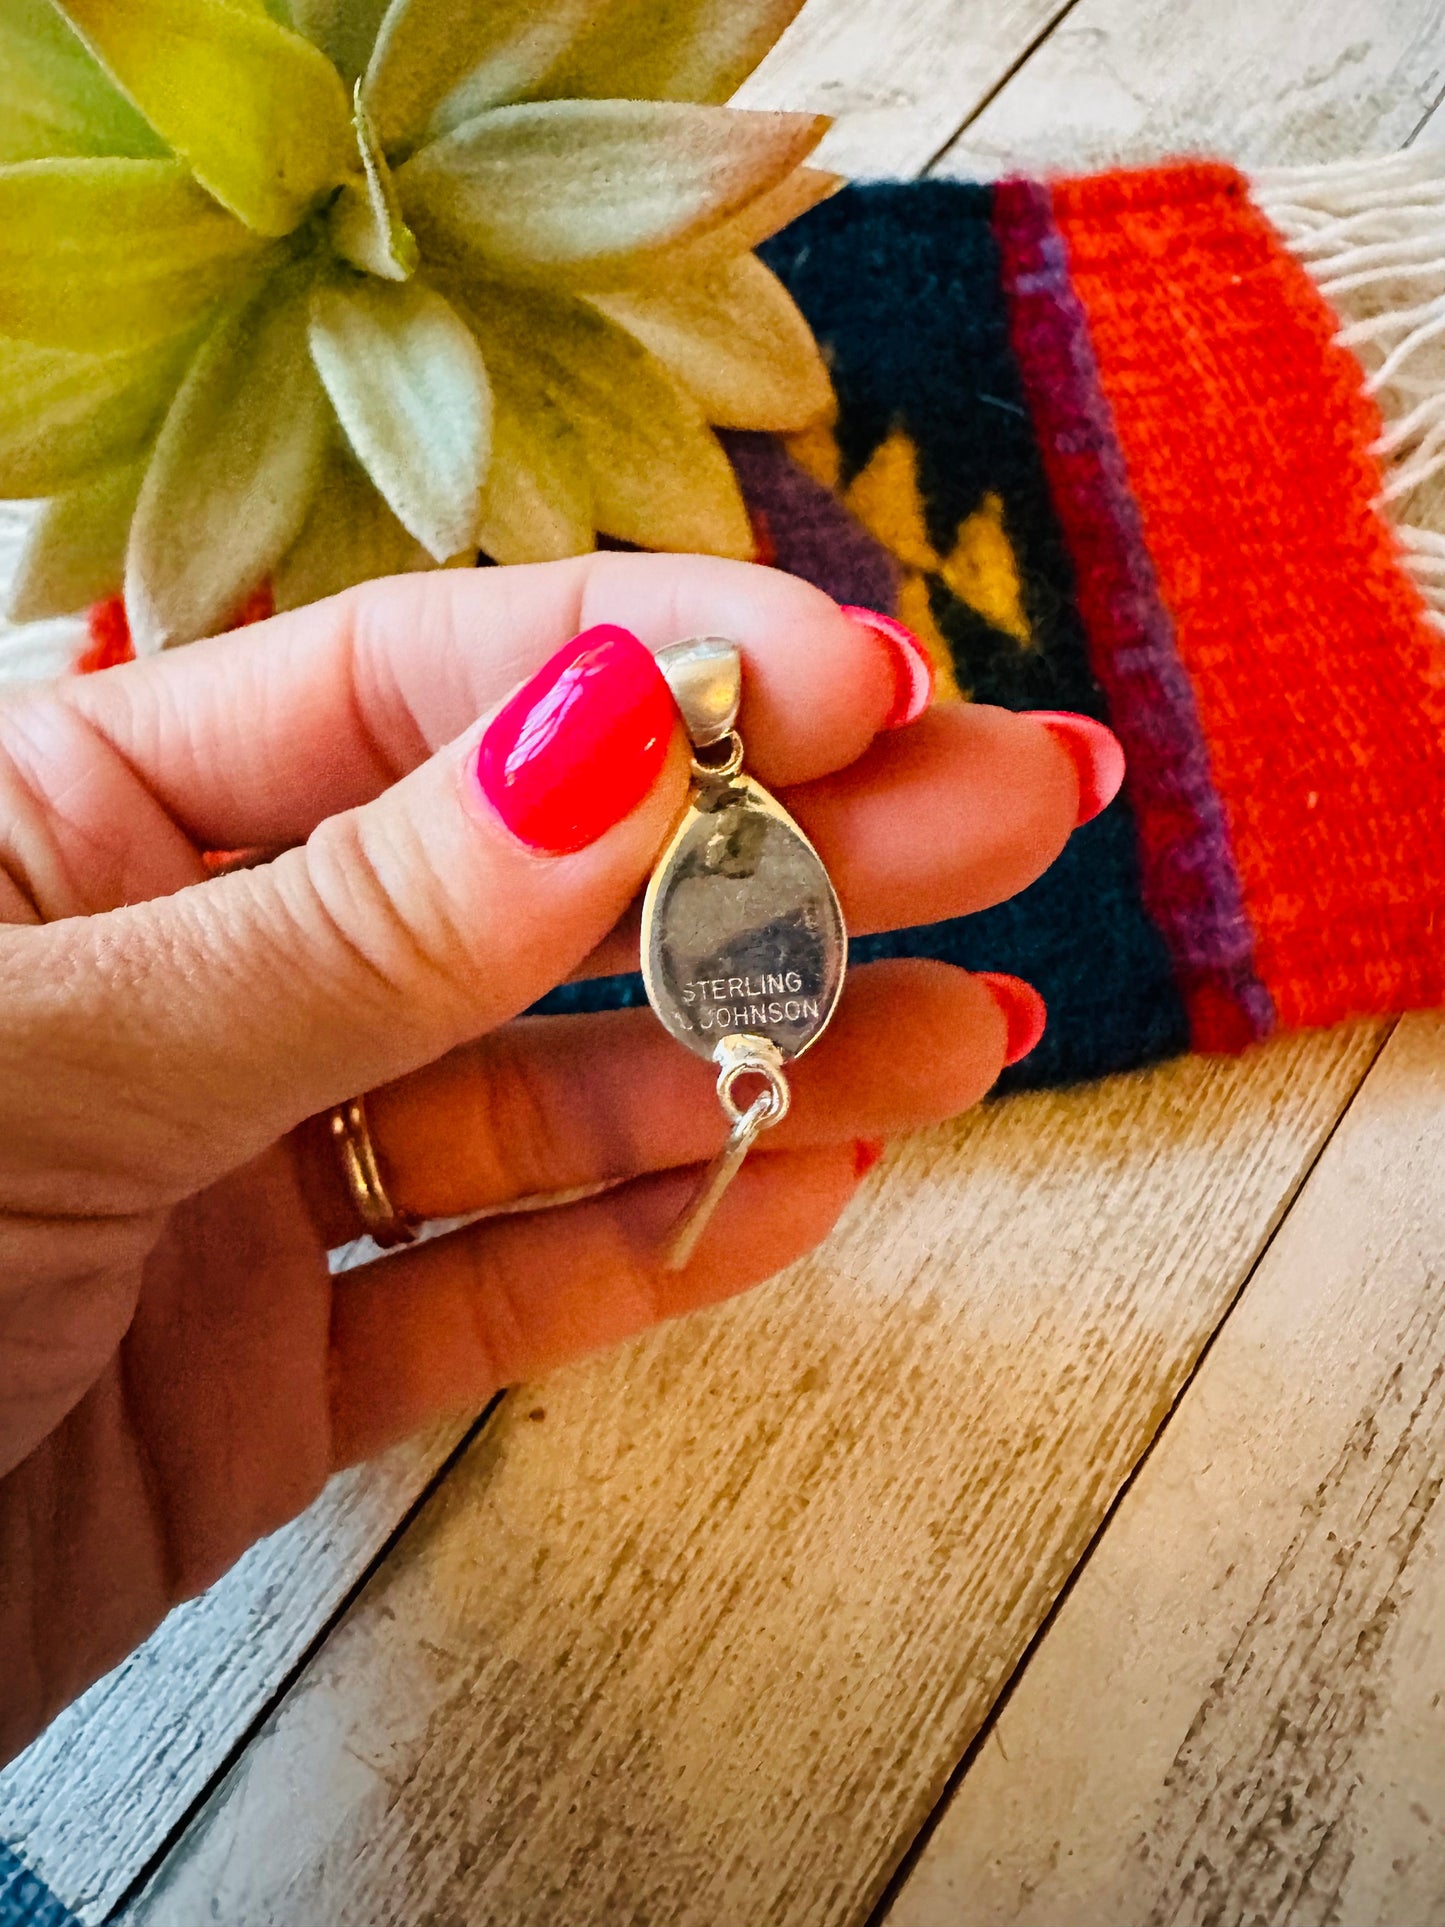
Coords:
705,675
740,1055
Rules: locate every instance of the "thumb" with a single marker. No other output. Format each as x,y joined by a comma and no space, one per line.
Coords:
218,1018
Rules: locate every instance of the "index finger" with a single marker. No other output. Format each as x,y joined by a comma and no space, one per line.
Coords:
253,739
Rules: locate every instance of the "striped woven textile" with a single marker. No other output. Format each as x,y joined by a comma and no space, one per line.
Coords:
1104,445
1116,444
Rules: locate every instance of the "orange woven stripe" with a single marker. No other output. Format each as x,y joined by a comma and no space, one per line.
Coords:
1319,683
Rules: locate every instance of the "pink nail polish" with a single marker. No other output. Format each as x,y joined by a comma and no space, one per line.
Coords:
579,745
866,1153
1098,757
910,662
1025,1012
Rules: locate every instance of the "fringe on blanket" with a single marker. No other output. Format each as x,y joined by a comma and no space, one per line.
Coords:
1372,234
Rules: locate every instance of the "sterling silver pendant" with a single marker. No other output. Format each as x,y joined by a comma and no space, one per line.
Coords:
743,945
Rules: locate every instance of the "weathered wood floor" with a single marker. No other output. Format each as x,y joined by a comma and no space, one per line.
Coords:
1058,1546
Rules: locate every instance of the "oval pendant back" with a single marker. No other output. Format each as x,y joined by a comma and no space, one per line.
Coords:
741,927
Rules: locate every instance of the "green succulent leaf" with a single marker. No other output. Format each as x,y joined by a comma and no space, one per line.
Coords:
699,50
438,63
561,182
410,388
106,255
759,221
54,97
75,554
696,254
735,340
590,301
365,223
258,112
64,415
657,473
277,10
235,467
350,536
537,499
344,30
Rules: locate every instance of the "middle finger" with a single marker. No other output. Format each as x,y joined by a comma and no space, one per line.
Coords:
960,811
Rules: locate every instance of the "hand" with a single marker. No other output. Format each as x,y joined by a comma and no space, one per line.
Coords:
179,1372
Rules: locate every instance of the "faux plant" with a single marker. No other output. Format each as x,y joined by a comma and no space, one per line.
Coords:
319,290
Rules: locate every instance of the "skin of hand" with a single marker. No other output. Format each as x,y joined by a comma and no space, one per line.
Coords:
179,1370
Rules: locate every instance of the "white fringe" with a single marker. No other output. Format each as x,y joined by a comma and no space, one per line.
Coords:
1372,234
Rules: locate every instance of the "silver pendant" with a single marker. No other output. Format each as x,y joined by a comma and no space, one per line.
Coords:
743,945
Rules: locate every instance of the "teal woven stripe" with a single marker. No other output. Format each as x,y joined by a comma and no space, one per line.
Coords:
25,1900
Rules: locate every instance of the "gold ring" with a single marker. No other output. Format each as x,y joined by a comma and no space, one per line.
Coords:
385,1225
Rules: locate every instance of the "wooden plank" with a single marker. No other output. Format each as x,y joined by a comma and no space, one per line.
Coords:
95,1797
1064,1815
1311,80
871,54
898,80
695,1632
1239,1713
559,1704
1432,129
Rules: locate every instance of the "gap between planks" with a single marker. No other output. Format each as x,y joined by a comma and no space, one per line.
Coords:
889,124
932,1866
1239,1713
1138,80
882,1913
702,1645
99,1797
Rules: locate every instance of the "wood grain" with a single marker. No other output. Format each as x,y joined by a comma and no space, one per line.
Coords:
700,1641
97,1794
1239,1713
96,1797
1303,1784
1304,81
704,1642
899,80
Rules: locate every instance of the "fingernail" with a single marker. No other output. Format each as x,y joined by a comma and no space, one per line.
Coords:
1098,757
579,746
1025,1012
910,662
866,1153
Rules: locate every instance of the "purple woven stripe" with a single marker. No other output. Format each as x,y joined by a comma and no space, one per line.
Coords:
810,532
1190,885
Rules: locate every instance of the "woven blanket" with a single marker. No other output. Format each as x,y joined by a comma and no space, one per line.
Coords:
1148,445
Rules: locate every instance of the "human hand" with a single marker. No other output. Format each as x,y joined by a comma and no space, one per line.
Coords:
179,1372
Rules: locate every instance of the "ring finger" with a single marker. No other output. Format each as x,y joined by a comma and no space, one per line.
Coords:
548,1105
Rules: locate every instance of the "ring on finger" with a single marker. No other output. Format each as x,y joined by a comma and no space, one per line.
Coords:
384,1224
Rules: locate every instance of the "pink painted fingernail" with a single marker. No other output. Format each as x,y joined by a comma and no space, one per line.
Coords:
1098,757
866,1153
579,745
910,662
1025,1012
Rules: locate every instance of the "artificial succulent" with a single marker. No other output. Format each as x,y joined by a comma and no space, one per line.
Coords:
317,290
